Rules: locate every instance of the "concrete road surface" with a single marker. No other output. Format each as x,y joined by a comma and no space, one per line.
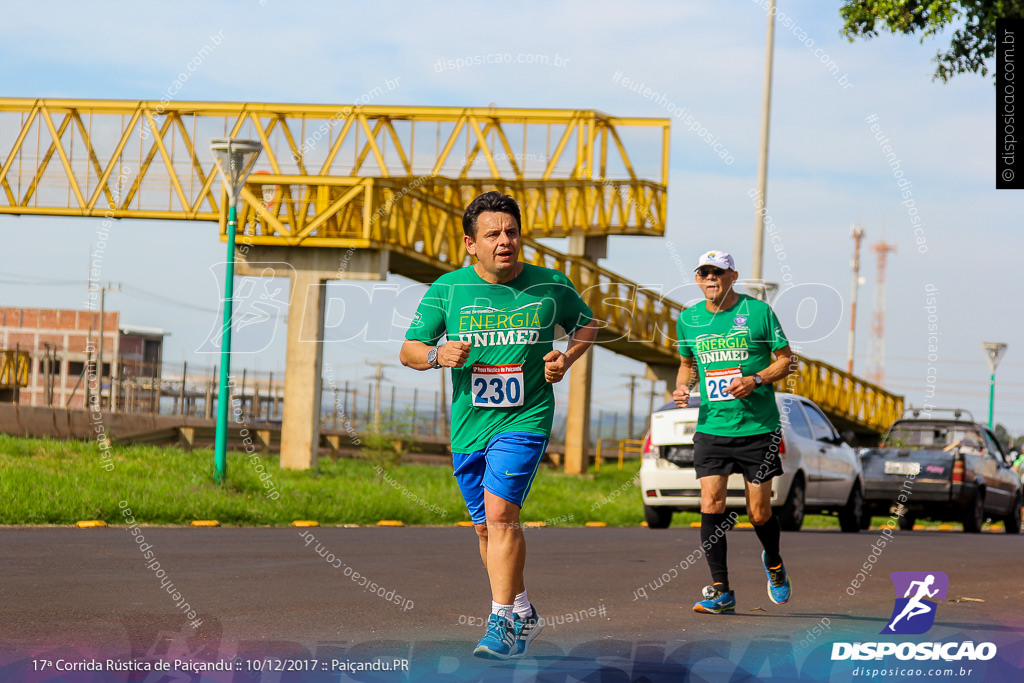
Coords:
319,604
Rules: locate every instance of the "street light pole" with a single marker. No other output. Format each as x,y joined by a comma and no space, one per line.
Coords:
761,200
994,352
235,159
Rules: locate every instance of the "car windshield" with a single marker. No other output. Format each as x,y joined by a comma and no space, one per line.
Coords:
933,436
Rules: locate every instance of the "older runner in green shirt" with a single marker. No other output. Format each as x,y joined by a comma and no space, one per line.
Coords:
730,339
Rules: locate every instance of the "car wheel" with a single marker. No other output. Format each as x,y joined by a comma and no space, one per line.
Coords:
791,516
850,516
1012,520
865,517
974,515
657,517
907,521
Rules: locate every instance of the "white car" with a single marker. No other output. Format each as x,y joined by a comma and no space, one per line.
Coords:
822,474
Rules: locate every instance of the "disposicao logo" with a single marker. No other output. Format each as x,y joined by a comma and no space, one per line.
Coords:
914,613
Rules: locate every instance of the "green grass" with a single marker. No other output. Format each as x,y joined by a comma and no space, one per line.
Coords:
44,481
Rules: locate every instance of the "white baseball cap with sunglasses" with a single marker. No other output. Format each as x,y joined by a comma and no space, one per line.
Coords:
718,259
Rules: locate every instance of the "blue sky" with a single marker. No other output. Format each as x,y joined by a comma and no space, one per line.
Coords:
826,168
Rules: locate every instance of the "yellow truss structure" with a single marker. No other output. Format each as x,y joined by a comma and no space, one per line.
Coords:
851,401
126,159
390,178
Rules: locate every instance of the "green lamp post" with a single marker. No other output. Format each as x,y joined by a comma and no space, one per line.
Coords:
235,159
994,352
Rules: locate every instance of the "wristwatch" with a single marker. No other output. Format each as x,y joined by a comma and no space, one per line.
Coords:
432,358
758,381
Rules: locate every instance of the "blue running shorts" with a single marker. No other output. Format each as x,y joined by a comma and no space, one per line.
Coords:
506,468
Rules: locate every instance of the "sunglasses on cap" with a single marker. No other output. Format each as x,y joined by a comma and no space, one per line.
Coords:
707,271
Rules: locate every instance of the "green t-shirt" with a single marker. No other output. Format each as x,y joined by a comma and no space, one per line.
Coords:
511,326
736,342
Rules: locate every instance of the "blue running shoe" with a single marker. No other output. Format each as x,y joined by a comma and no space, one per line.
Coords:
779,585
716,602
499,642
526,630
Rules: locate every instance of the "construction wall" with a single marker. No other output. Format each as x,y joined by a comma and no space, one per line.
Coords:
66,423
68,334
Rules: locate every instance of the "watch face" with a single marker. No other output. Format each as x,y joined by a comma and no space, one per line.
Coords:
432,356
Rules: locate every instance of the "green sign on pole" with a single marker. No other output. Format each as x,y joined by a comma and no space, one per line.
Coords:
994,352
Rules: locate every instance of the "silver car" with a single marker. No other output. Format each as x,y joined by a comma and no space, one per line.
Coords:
822,474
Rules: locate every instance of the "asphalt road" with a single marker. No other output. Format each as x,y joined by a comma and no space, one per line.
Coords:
620,601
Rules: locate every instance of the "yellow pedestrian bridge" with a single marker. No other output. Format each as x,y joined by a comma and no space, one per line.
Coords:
353,192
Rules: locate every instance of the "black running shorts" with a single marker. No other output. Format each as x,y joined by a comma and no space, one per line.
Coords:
755,457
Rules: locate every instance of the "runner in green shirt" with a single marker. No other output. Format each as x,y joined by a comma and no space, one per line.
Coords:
731,338
499,318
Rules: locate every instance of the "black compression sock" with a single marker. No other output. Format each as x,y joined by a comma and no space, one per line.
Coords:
769,534
712,539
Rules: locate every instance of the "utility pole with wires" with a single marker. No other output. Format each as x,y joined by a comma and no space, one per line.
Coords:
650,401
857,232
378,377
876,356
109,287
632,394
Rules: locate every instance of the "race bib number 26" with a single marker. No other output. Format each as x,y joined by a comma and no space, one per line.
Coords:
497,386
716,381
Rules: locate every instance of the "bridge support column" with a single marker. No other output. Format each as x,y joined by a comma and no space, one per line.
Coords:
304,359
577,428
308,268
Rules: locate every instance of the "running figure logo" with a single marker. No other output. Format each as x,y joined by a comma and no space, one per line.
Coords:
914,613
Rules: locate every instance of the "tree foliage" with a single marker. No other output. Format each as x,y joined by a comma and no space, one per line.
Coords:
973,41
1006,439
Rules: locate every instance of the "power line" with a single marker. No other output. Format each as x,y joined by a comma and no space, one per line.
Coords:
941,381
150,296
919,359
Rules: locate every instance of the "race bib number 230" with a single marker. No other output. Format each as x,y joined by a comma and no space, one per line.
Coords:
497,386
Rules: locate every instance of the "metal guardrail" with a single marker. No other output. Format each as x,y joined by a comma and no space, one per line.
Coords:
624,446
